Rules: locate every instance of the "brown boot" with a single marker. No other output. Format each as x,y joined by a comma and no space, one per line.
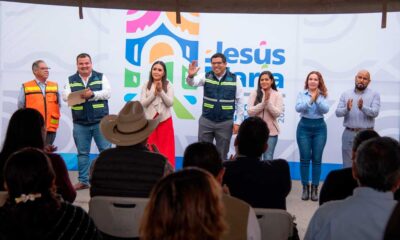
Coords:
306,192
314,193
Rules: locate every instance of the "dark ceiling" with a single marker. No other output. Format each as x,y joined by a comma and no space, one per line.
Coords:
238,6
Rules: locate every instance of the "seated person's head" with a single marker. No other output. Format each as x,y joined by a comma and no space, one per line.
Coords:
252,137
361,137
29,173
377,164
184,205
32,202
203,155
25,129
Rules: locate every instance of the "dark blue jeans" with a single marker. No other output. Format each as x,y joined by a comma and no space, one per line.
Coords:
311,138
83,136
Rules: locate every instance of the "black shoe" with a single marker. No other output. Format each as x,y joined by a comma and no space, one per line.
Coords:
314,193
306,192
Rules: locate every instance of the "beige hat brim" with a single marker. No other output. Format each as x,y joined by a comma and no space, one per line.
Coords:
108,129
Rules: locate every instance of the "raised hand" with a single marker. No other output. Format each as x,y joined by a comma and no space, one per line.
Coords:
193,69
349,104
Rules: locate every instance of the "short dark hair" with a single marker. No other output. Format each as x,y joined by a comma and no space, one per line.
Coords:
378,163
203,155
83,55
35,64
363,136
252,136
219,55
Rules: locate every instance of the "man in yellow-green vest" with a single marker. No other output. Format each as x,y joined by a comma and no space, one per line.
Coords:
42,95
223,95
86,116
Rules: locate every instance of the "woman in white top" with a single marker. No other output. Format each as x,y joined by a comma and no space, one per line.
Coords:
267,103
157,98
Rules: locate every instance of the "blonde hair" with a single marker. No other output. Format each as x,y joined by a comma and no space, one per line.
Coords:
184,205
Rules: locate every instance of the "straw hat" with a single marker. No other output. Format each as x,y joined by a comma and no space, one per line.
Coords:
129,127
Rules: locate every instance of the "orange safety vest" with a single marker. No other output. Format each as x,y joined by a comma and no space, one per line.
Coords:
47,105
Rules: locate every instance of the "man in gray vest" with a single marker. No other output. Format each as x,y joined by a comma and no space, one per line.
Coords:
223,94
240,216
95,91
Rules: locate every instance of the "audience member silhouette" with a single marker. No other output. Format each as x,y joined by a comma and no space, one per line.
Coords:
240,216
27,129
184,205
339,184
392,231
130,169
33,210
363,215
262,184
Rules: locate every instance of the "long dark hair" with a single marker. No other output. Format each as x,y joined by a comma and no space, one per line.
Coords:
29,171
259,89
163,79
25,129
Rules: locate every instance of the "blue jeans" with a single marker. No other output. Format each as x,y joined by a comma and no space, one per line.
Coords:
83,135
269,154
311,137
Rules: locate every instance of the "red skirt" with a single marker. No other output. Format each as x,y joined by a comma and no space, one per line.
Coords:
163,138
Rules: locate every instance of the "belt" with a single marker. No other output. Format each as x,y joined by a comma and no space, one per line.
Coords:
358,129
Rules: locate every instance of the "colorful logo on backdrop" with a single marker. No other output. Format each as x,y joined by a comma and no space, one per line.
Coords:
153,36
263,55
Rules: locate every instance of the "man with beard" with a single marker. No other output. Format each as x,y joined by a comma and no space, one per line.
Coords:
359,107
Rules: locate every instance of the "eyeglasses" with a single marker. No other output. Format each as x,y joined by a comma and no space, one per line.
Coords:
44,68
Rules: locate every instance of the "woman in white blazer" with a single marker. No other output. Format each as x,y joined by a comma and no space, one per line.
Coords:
157,98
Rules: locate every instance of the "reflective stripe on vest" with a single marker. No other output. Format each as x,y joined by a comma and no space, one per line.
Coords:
212,81
99,105
207,105
95,83
226,107
210,99
35,89
54,121
71,85
228,83
77,108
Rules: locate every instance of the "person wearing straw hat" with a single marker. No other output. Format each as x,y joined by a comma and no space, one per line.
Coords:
130,169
